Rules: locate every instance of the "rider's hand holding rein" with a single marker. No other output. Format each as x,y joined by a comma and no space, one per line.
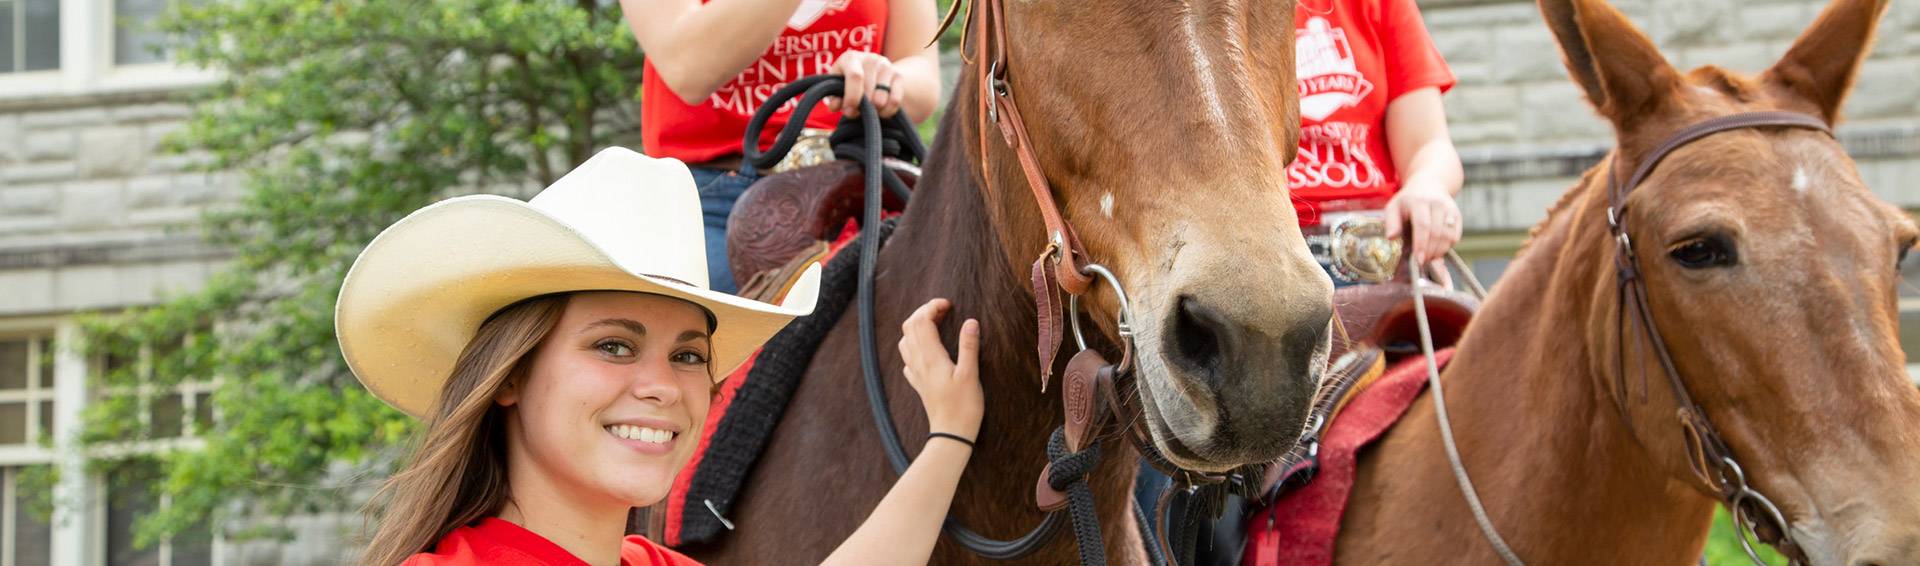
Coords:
698,47
868,74
1430,176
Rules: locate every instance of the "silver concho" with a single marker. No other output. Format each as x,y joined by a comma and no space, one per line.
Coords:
1361,250
811,149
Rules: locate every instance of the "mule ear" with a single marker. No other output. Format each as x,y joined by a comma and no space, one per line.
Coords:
1820,67
1628,74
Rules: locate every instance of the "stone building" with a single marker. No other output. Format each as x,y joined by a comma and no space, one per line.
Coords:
95,216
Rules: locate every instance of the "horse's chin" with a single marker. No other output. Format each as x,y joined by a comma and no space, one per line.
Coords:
1205,446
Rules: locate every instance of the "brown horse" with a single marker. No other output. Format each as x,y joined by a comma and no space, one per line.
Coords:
1771,271
1164,129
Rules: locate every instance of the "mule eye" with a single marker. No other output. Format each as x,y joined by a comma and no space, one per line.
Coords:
1704,252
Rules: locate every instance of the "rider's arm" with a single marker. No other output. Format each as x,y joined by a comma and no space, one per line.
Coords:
903,529
1417,137
910,28
697,47
1429,175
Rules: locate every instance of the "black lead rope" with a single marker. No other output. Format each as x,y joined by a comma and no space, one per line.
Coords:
874,141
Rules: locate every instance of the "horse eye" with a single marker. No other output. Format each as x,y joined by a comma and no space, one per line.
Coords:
1703,253
1905,247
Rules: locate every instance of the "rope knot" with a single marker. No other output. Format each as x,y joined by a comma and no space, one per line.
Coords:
1069,467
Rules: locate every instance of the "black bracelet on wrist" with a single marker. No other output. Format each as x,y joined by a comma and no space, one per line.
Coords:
953,437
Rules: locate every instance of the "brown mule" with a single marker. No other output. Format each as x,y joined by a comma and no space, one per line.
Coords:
1173,179
1770,270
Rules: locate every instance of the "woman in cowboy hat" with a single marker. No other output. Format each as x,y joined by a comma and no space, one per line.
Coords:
563,351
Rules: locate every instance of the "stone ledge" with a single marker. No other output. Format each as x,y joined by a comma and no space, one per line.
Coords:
94,100
162,249
1496,164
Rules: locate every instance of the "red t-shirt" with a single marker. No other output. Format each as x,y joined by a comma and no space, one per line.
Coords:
1352,58
814,38
497,542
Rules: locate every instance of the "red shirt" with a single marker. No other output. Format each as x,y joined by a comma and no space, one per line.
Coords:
1352,58
814,38
497,542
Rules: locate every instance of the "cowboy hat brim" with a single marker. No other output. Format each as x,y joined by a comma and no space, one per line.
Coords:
421,289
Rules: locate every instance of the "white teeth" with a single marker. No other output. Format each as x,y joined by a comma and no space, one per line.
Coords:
640,433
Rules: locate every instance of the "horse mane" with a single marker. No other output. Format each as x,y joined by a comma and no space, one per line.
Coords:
1732,84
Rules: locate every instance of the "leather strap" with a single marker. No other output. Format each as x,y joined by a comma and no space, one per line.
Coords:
1712,461
1046,301
997,106
1086,413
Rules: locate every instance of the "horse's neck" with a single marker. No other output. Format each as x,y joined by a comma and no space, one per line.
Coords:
955,240
949,245
1559,464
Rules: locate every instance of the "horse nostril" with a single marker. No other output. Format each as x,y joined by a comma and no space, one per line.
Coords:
1197,336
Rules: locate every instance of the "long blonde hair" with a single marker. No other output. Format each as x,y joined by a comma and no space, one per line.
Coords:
458,473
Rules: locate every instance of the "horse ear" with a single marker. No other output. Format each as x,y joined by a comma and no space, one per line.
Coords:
1820,67
1629,75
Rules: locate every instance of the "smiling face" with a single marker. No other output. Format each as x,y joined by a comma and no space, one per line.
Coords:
611,402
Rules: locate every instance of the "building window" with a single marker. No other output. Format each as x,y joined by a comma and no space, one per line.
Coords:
130,497
26,390
29,35
26,536
165,411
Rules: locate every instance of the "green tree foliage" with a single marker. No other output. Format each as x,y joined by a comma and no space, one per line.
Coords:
1723,545
337,117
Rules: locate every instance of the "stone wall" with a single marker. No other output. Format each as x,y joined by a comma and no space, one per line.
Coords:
93,214
1525,130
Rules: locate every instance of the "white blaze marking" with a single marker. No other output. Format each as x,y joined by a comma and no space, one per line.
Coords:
1209,95
1800,179
1106,205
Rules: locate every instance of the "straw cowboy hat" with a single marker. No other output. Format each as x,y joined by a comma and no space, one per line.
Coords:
620,222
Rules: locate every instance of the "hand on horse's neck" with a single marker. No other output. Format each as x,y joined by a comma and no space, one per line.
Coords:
948,245
951,242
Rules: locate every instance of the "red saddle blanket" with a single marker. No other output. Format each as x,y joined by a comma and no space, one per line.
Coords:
1300,528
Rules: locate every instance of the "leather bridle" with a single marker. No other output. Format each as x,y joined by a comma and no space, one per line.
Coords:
1712,461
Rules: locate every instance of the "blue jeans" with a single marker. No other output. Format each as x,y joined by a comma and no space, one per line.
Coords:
719,189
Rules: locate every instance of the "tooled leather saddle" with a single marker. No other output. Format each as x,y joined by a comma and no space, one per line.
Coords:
786,221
